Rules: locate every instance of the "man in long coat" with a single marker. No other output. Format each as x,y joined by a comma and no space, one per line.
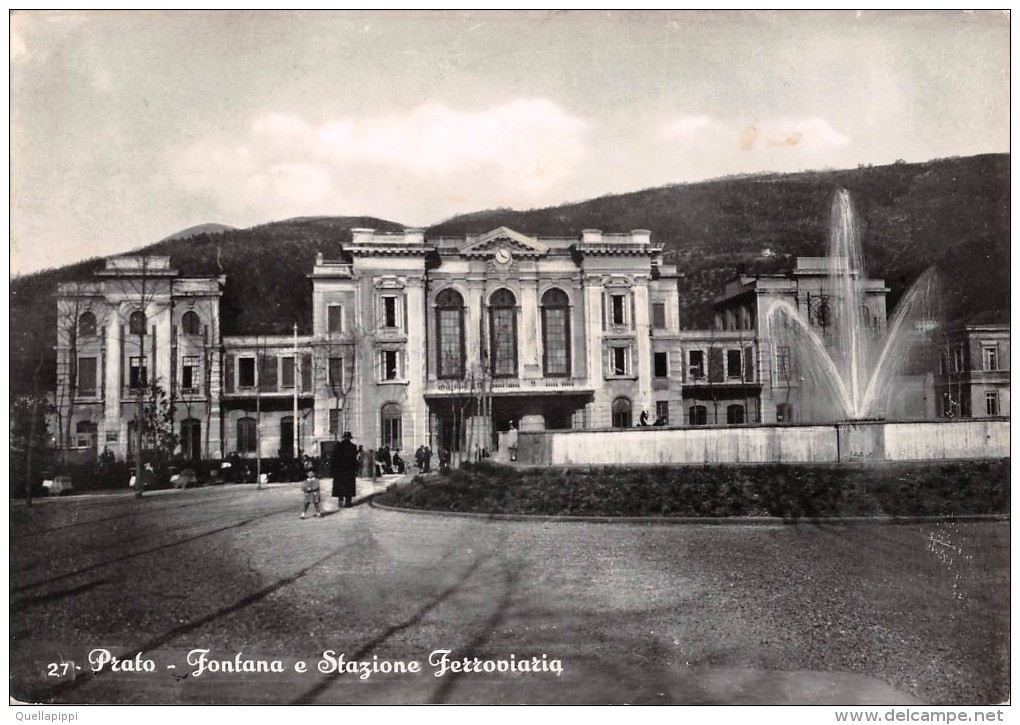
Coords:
344,468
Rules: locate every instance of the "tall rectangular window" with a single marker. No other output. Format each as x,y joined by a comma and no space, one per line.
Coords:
336,373
555,331
335,319
619,360
696,364
334,421
990,358
958,360
246,372
659,315
992,402
661,364
287,372
138,377
189,373
87,376
619,307
783,362
451,349
389,365
733,368
389,311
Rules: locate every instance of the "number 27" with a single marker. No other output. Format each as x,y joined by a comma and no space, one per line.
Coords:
58,669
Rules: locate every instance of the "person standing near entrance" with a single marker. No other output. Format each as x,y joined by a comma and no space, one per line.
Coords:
344,468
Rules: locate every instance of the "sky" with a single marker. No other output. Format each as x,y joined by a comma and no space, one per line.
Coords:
128,126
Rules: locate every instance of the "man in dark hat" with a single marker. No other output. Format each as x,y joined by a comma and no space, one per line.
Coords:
344,468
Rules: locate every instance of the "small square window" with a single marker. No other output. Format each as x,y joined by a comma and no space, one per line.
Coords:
662,412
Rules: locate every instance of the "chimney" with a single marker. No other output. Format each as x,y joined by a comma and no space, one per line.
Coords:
414,235
362,236
591,236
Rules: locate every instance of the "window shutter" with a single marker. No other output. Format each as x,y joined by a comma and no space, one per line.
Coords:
403,320
716,365
306,371
228,374
632,322
748,364
268,374
603,310
677,368
607,362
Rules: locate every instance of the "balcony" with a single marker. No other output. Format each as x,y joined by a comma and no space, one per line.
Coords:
509,386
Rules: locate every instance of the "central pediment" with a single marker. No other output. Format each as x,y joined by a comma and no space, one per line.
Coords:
489,243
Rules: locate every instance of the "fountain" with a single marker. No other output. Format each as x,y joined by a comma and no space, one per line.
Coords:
850,359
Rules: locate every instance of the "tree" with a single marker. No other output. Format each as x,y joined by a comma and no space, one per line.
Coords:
142,290
79,318
30,448
336,367
157,426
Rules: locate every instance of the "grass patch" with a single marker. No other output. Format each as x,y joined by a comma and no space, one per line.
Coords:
783,491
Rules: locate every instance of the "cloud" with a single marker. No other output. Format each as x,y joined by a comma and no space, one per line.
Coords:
428,163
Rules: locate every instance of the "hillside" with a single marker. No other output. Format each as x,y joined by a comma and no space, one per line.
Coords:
951,212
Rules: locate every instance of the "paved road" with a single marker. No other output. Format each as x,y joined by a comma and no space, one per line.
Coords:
641,614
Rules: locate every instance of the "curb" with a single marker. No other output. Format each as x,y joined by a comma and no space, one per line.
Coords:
689,520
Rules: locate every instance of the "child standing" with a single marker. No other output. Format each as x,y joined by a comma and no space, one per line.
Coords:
311,488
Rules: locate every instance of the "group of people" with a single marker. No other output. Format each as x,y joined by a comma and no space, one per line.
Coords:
643,420
350,461
344,467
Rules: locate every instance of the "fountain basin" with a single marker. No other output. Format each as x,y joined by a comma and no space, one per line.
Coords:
848,441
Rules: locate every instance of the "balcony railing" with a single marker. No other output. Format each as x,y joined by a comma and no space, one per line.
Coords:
508,386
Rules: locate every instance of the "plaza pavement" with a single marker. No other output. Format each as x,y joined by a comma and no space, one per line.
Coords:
650,614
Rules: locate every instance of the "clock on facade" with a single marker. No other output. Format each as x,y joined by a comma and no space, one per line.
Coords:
503,255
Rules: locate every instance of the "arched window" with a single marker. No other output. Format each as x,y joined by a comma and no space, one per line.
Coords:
450,333
390,417
698,415
734,414
87,325
136,323
784,413
503,333
621,413
246,438
190,324
556,333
